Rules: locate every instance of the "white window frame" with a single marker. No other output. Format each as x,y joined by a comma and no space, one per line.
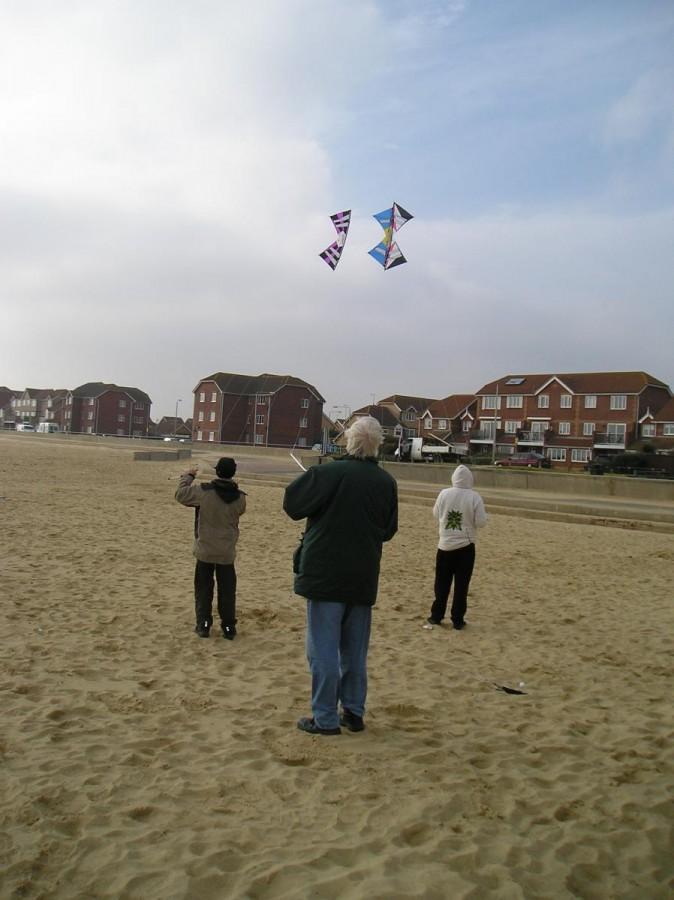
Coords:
580,455
211,435
301,442
442,424
490,401
514,401
588,429
122,404
511,426
259,419
259,439
428,423
668,429
618,401
564,428
211,416
590,401
543,401
557,454
121,418
201,415
90,401
466,425
90,416
214,397
202,397
648,429
200,435
304,422
565,401
304,403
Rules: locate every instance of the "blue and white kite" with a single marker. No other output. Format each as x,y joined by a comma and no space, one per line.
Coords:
387,252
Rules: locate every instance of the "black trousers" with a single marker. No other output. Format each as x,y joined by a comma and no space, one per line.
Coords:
457,566
203,592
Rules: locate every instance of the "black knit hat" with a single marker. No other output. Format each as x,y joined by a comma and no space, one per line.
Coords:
225,468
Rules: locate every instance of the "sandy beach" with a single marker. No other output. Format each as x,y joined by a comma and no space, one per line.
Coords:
139,761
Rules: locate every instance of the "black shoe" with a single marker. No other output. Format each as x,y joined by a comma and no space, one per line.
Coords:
458,625
310,726
229,632
203,629
351,721
432,621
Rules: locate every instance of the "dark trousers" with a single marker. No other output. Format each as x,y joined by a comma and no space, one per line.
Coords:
203,592
457,566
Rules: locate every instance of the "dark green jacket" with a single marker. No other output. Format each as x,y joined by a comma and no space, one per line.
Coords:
351,507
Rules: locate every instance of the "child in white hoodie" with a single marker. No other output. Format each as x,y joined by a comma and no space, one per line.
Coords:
460,512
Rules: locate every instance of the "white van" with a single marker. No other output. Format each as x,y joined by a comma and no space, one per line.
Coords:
24,426
47,427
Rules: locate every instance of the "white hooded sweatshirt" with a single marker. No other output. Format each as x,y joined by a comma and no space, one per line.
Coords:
459,511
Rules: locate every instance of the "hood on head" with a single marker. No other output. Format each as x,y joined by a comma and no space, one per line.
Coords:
462,477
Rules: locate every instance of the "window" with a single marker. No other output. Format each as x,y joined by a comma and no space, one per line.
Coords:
301,442
121,417
304,422
200,435
590,401
668,430
90,430
466,425
259,419
565,427
90,401
138,420
428,424
214,397
578,455
543,401
120,431
515,380
201,415
409,415
442,424
618,401
557,454
491,402
211,435
514,401
305,403
261,401
202,397
259,439
140,406
588,429
211,416
122,404
648,430
511,427
565,401
538,429
90,416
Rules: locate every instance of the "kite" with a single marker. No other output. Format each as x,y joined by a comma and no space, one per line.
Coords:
387,253
332,254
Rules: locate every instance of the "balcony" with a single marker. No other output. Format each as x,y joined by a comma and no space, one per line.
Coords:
609,440
531,438
481,436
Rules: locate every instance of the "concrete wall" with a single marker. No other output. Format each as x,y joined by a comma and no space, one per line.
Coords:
581,484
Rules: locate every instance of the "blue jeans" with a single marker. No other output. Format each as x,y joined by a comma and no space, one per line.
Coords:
338,635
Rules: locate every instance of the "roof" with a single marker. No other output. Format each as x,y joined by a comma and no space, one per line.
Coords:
42,393
97,388
451,406
577,382
247,385
666,412
403,401
382,414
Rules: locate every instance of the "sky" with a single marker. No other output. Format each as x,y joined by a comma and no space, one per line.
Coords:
168,170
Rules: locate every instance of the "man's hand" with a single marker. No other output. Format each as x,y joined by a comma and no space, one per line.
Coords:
193,472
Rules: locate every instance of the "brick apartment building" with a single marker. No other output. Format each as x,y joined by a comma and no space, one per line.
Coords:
98,408
263,410
449,421
407,411
570,418
32,405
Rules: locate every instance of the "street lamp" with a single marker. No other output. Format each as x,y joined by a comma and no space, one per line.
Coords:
175,421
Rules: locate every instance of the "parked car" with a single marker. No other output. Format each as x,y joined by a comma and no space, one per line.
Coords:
25,426
528,460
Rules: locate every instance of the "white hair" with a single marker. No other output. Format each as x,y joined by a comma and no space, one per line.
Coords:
364,437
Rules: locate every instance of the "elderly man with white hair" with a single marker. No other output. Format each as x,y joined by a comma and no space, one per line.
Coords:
351,508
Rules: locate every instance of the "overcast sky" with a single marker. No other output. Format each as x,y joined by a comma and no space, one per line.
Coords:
168,169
